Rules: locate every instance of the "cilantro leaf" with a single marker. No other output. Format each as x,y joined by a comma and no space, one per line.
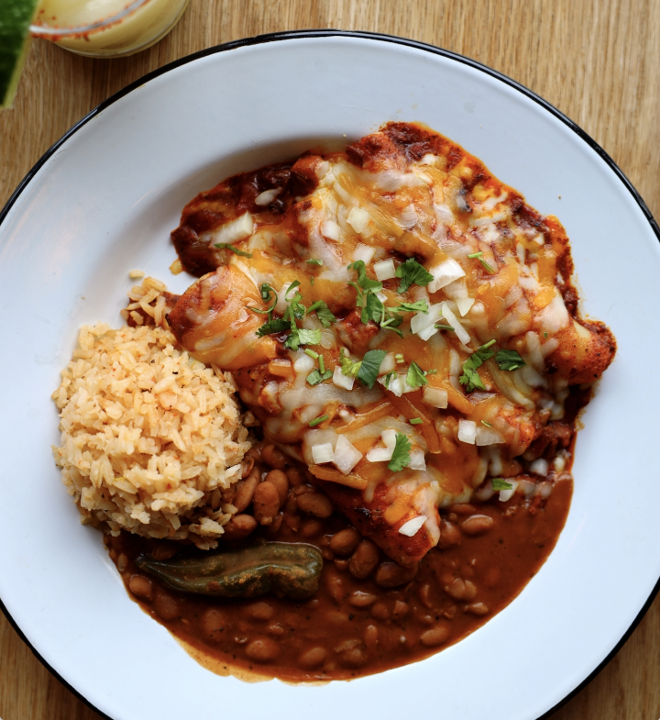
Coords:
368,372
236,251
349,367
316,376
323,313
401,453
301,336
314,261
373,309
272,327
509,360
363,281
411,272
470,377
267,293
419,306
416,377
387,379
501,484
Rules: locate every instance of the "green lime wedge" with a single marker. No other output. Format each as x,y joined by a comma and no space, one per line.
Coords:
15,18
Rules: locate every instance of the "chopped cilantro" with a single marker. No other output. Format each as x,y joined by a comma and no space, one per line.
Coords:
272,327
487,424
411,272
479,256
441,326
415,421
321,364
312,354
401,453
229,246
267,293
509,360
419,306
501,484
368,371
470,377
316,376
314,261
399,359
363,281
301,336
349,367
416,377
323,313
318,421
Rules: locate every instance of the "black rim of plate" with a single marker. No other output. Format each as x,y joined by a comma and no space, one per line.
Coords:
356,34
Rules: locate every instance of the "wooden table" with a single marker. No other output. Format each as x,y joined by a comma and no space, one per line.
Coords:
596,60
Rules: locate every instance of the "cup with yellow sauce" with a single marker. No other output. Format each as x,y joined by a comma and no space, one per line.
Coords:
105,28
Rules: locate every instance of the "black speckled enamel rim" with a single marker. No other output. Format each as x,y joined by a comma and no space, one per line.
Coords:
297,35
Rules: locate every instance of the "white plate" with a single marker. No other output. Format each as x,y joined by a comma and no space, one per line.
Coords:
104,200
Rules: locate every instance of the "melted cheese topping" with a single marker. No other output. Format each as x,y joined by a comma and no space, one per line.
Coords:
497,270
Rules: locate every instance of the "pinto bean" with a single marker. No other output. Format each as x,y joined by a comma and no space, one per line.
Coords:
239,527
214,624
450,535
281,482
361,599
312,658
266,502
391,574
294,476
245,490
401,609
273,456
477,525
345,541
371,637
166,606
364,560
314,503
260,611
263,650
435,636
477,609
380,611
311,527
248,464
461,589
141,586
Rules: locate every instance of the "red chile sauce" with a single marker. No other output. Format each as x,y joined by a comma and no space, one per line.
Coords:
355,627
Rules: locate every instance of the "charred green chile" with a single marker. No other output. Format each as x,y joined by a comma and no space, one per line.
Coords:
290,569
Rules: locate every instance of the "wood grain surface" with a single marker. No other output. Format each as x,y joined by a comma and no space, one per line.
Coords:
598,61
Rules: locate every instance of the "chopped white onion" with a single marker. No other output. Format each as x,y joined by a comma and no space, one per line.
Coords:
280,307
436,397
389,438
303,364
444,273
554,316
358,219
385,269
363,252
423,324
394,385
488,436
323,453
236,230
467,431
464,305
379,454
461,333
331,230
506,495
388,364
411,528
267,197
341,380
417,461
539,467
347,456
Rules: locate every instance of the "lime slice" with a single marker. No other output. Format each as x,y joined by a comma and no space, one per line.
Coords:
15,18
